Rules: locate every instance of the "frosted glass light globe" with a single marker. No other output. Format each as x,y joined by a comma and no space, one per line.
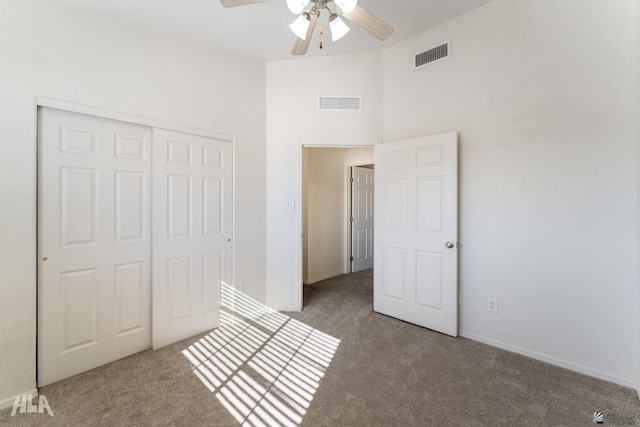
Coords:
297,6
346,6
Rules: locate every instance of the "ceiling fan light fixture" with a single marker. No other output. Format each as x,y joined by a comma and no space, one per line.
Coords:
301,25
297,6
338,27
346,6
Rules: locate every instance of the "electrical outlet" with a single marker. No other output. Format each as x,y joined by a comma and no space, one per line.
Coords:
242,287
492,305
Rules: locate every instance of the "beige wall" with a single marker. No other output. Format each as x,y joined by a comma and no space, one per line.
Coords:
56,51
326,195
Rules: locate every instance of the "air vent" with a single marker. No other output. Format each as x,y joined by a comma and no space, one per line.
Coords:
338,103
429,56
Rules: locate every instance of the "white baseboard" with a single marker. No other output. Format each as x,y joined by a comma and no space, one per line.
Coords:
554,361
8,403
320,278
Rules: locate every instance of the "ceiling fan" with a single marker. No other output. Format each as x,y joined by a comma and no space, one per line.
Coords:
309,13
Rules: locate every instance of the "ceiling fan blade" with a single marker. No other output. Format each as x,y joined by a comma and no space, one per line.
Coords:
370,23
233,3
300,46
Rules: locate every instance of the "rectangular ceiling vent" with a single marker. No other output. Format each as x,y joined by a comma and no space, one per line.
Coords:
432,55
334,103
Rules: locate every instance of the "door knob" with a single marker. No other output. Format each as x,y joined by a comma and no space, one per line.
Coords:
44,258
449,245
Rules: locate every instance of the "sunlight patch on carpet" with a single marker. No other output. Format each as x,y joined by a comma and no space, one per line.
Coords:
263,366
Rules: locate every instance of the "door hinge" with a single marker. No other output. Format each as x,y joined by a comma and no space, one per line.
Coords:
351,219
351,259
351,179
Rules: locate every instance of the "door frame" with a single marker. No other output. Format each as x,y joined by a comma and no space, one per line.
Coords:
46,102
298,202
348,204
41,101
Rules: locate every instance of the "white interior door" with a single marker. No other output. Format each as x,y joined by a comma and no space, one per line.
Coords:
416,228
94,245
361,218
192,226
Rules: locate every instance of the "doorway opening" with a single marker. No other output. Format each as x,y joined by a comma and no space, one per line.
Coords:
327,209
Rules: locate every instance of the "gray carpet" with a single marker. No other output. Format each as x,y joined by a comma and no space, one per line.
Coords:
336,363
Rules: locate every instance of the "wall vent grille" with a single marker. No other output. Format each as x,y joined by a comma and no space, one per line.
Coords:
339,103
429,56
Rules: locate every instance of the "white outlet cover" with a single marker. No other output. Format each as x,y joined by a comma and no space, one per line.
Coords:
492,305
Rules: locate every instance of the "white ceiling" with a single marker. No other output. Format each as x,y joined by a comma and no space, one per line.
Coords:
261,30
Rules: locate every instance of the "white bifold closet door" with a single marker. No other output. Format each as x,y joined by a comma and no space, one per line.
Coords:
94,242
100,258
192,227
